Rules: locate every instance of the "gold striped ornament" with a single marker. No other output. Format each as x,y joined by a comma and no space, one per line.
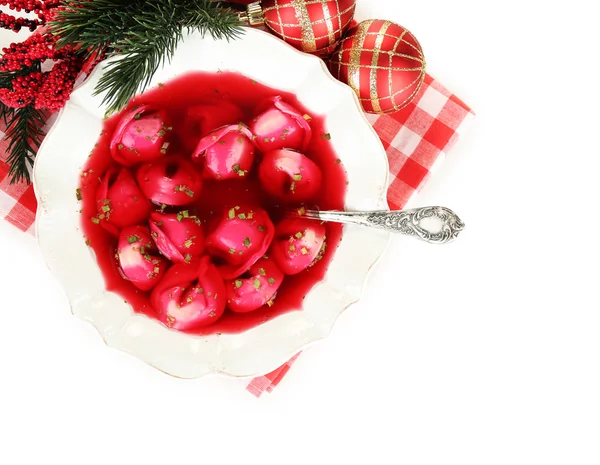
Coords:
382,62
313,26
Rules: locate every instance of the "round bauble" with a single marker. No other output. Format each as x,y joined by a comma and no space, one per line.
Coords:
382,62
313,26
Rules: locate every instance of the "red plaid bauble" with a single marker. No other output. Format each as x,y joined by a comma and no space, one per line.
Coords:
313,26
384,64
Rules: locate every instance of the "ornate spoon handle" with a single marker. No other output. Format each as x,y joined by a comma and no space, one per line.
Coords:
406,222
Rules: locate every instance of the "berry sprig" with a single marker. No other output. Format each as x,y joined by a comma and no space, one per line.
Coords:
29,95
57,84
42,9
21,81
38,47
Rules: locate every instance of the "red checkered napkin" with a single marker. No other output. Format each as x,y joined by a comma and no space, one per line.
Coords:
17,201
416,140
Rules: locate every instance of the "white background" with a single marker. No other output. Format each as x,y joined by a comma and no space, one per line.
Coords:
486,351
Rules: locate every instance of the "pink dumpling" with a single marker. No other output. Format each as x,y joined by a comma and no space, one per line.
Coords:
298,243
120,201
142,135
178,236
240,237
190,296
289,176
226,153
250,293
199,120
174,180
280,126
138,259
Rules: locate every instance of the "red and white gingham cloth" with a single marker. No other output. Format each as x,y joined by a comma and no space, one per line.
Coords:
416,140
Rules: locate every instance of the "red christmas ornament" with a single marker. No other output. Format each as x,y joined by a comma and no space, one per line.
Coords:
383,63
313,26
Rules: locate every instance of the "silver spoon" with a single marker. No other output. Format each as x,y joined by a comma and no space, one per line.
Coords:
436,225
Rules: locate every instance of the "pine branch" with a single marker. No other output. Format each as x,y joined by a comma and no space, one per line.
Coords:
24,133
6,113
24,128
144,33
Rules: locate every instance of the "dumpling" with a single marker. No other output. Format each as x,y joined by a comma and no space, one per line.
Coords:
142,135
178,236
120,200
289,176
298,244
279,126
249,293
227,153
190,297
240,236
174,180
138,258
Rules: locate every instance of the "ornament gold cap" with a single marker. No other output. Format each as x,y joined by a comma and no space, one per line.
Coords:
253,15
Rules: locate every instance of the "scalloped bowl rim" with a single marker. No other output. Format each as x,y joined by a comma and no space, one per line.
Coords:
258,350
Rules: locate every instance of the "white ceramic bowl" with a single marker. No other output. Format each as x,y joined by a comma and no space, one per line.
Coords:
258,350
